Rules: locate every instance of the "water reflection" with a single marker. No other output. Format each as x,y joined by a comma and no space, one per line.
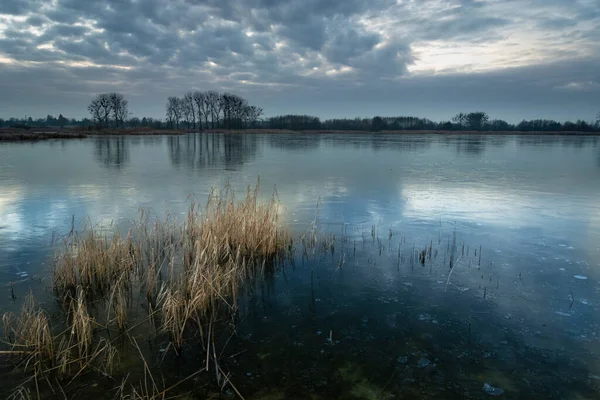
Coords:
531,202
112,151
299,142
199,151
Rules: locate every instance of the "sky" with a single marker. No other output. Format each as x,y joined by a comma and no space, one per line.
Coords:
514,59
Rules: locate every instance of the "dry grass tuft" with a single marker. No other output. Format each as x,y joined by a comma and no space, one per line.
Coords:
30,336
189,274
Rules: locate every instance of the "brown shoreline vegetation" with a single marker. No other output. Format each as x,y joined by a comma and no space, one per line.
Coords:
19,135
187,277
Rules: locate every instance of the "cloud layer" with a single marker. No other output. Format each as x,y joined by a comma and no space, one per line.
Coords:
515,58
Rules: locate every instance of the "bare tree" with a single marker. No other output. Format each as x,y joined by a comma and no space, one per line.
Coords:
202,107
119,108
226,103
101,108
460,119
253,114
239,110
189,109
94,109
174,111
215,105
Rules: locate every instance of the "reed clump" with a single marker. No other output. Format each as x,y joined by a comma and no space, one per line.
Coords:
223,245
94,261
187,276
42,350
30,336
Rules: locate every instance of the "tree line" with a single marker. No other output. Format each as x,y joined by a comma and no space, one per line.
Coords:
201,110
474,121
210,109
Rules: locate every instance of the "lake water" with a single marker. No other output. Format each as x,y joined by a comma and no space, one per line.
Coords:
517,317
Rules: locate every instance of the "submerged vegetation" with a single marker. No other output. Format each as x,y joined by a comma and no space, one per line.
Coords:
186,277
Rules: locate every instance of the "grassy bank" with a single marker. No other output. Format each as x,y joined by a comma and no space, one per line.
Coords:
17,135
399,132
23,135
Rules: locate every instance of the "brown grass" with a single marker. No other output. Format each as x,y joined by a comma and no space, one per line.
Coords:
21,135
189,274
30,335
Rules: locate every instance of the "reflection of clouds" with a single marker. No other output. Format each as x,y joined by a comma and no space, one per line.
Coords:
361,179
426,201
592,242
10,216
485,204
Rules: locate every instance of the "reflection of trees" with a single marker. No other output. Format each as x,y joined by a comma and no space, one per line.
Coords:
197,151
470,145
294,141
498,140
574,141
401,142
112,151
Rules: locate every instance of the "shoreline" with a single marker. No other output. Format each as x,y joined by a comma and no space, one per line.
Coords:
22,135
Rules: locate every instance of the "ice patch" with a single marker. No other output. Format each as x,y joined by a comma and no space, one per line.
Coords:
492,391
582,277
562,314
423,362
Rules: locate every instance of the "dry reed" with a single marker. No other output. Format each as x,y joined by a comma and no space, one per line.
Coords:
190,275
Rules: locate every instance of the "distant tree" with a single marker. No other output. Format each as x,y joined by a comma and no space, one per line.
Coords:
119,107
174,111
253,115
94,110
378,124
476,120
445,126
62,121
188,109
202,108
215,105
295,122
499,125
50,120
100,109
598,120
460,119
569,126
134,122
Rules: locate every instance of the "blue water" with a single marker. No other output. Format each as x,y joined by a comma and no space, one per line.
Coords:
524,319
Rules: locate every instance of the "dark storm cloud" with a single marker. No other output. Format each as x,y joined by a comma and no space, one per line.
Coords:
64,30
295,52
36,20
347,42
16,7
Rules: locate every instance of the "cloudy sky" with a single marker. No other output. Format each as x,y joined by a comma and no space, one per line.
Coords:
432,58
